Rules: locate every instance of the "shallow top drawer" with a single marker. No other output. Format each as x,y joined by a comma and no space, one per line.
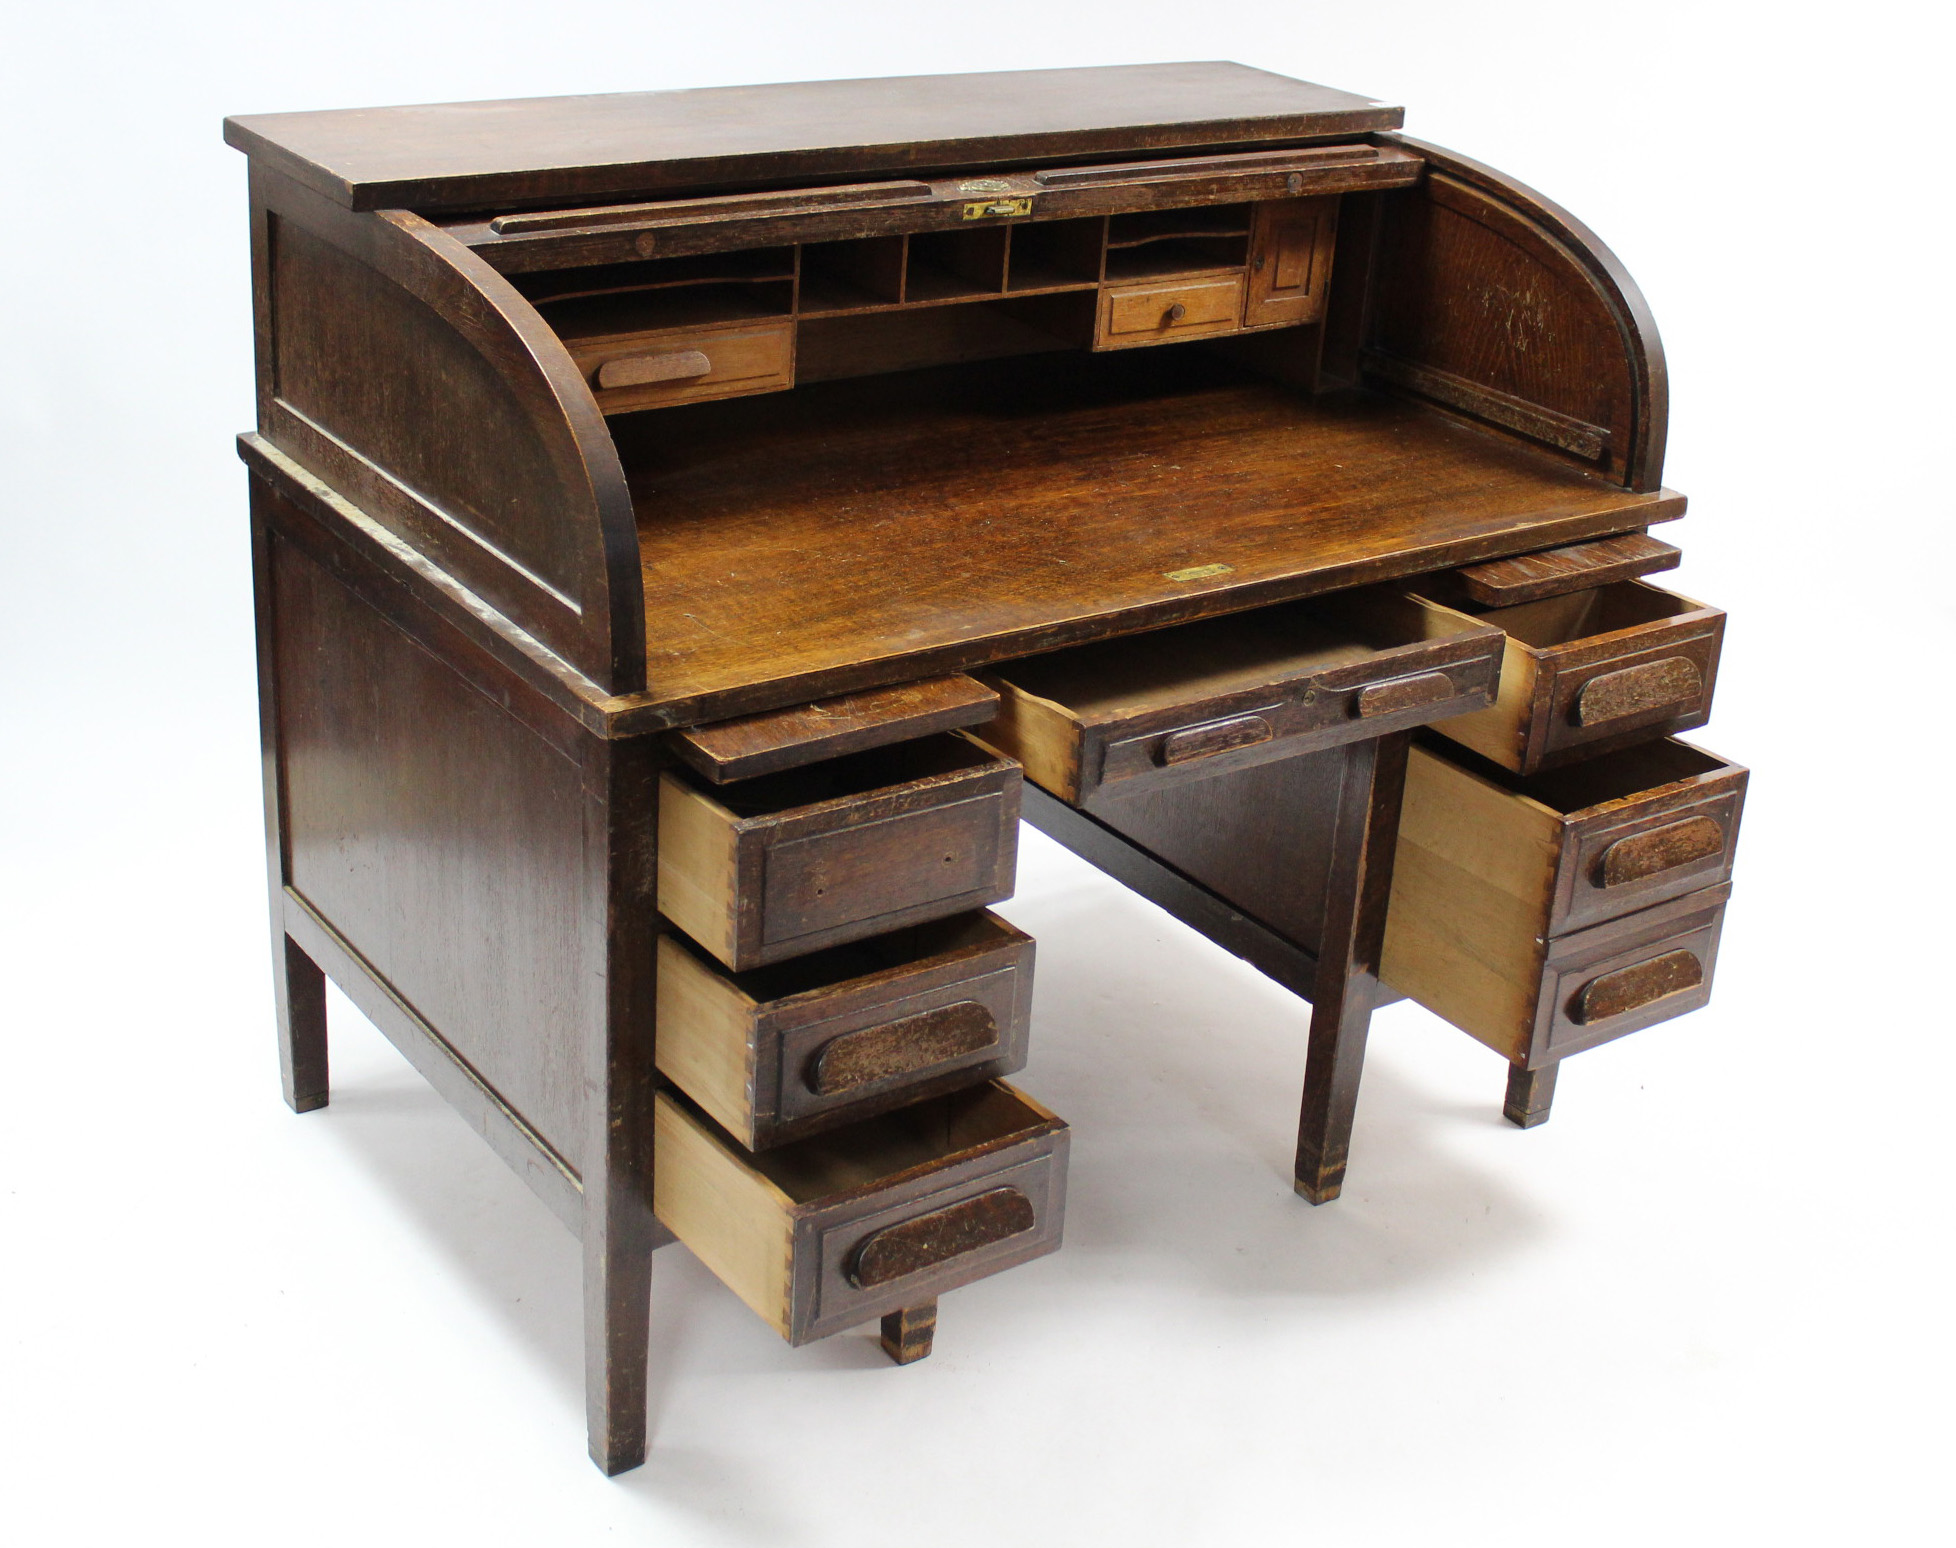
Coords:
1230,693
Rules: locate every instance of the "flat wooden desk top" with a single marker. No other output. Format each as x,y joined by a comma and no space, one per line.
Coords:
862,531
460,155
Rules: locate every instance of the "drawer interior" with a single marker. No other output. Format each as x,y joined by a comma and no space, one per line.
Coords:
1625,774
856,774
943,939
1581,615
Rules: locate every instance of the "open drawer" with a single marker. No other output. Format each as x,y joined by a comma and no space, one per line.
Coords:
808,1045
789,863
1150,710
1547,914
1595,669
828,1233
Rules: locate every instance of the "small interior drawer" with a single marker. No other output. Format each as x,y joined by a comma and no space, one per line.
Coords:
1595,669
1161,312
1501,883
808,1045
831,1232
789,863
1150,710
687,365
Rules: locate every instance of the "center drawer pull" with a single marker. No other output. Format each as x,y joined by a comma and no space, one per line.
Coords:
911,1246
1661,849
873,1054
636,370
1404,693
1219,736
1636,690
1638,985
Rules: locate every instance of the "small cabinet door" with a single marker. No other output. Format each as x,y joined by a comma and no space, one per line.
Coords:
1290,261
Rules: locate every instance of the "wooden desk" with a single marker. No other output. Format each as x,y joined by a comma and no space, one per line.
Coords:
692,527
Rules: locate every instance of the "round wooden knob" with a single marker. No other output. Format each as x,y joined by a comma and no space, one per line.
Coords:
1176,312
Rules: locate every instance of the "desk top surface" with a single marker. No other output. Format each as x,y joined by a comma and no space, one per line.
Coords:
462,155
864,531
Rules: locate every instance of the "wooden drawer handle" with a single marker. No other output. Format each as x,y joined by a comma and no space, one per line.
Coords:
636,370
1404,693
911,1246
1219,736
1639,689
1662,849
871,1054
1638,985
1175,313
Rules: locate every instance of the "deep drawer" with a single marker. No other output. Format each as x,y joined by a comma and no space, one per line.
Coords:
1230,693
828,1233
809,1045
789,863
1503,887
1595,669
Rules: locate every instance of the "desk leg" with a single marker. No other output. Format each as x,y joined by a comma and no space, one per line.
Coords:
1359,887
301,992
907,1334
1529,1094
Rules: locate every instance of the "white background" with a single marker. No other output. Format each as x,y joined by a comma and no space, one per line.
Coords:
1707,1302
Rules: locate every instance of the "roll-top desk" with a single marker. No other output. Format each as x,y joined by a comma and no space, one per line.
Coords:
692,529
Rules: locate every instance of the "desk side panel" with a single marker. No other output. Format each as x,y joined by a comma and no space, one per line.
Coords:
405,372
449,843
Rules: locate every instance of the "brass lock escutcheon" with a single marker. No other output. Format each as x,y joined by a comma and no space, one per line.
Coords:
988,209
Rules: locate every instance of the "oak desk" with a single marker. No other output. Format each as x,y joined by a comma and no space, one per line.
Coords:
691,527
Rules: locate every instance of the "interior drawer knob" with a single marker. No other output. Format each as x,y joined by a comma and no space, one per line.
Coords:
1219,736
911,1246
1637,690
1404,693
1640,984
1175,313
903,1047
636,370
1644,855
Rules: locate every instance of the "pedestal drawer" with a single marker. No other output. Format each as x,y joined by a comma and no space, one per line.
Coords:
828,1233
820,1041
1595,669
1148,711
790,863
1508,893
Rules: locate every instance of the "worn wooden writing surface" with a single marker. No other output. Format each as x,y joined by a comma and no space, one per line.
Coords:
458,155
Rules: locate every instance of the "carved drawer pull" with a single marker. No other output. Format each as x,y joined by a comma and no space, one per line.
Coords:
637,370
1662,849
1404,693
1640,984
1639,689
871,1054
1219,736
911,1246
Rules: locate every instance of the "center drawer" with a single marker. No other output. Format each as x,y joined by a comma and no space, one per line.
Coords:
788,863
828,1233
1150,710
810,1044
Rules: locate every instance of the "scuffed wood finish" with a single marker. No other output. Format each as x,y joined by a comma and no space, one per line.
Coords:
1531,577
832,728
832,1232
789,863
1588,671
1121,491
463,155
1530,1095
1233,693
826,1039
906,1335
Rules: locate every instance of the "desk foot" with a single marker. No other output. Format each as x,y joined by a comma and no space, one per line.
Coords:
301,992
1529,1094
1323,1187
907,1334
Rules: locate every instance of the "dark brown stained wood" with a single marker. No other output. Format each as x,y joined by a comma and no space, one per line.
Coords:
1113,485
1189,166
1637,986
403,370
462,154
1578,437
1591,341
1219,737
875,1054
906,1335
1645,855
1668,683
784,739
1530,1093
925,1241
1531,577
721,206
1420,691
